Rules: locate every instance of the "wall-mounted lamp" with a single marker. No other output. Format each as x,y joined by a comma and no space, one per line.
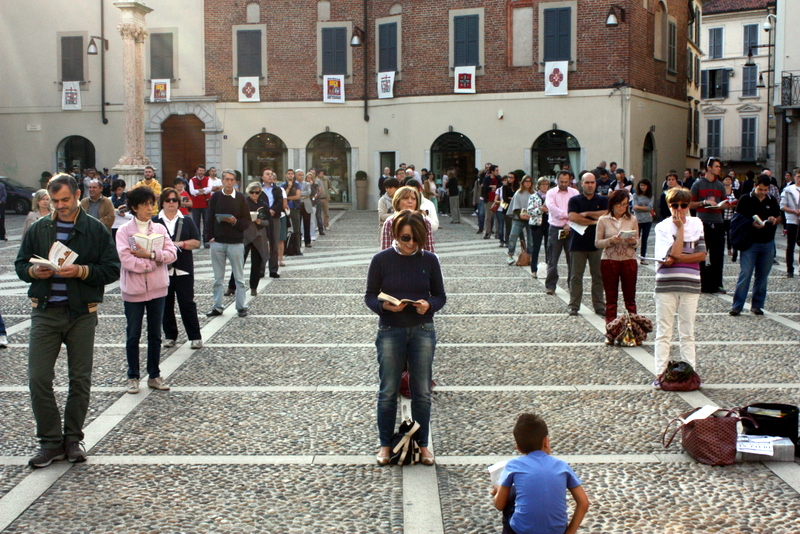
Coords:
616,14
386,131
92,48
358,36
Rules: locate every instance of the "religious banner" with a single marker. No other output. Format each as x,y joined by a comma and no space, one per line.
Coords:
333,89
464,80
160,90
71,95
386,84
248,89
555,77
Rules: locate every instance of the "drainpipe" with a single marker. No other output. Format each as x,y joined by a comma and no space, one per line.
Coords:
366,66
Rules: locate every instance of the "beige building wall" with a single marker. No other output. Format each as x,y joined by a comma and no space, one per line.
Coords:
31,119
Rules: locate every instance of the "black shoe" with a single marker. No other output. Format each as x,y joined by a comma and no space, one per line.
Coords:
75,451
253,292
242,312
45,457
480,230
486,236
573,312
789,275
721,291
274,275
321,232
757,311
207,245
735,313
229,292
214,312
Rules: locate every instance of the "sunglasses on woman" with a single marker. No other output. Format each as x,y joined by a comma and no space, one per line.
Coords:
682,205
406,238
171,199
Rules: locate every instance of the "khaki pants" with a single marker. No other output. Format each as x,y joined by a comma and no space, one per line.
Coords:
322,211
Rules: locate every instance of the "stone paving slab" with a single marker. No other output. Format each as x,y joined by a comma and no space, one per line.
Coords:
296,330
19,438
586,422
10,476
110,367
271,304
743,498
536,366
219,498
279,366
247,423
746,327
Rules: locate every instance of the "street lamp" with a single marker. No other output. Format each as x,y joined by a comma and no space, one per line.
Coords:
360,37
612,21
92,51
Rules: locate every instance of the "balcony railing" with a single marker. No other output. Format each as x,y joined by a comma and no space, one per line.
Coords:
790,90
736,153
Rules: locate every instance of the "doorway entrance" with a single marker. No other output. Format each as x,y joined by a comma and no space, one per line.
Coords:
262,151
75,151
453,150
553,152
183,146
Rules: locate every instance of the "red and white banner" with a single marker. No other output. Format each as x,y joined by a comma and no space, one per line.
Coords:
333,89
555,77
386,84
71,95
248,89
464,80
160,90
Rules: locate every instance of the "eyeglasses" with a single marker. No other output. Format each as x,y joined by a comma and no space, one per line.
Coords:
171,199
406,238
682,205
255,192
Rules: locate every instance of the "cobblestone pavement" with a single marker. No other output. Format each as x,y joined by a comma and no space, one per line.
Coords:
271,426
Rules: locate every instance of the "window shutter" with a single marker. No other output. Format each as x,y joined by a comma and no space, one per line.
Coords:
334,50
465,40
557,34
750,38
749,139
689,64
715,42
672,47
749,75
161,56
248,51
387,47
72,59
704,84
723,82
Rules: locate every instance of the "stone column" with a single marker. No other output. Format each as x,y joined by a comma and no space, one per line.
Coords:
134,31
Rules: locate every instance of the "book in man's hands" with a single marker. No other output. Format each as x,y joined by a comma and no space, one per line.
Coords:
222,216
148,243
391,300
59,256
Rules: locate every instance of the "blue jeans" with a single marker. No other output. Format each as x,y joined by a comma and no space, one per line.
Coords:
759,258
481,214
398,346
2,326
234,252
134,314
518,227
501,219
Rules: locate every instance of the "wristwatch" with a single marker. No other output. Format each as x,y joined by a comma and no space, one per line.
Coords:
152,255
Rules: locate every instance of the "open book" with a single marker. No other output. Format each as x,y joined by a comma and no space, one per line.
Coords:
221,216
148,243
390,299
59,256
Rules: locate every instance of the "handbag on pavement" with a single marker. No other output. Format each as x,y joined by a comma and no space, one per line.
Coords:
404,448
679,376
712,440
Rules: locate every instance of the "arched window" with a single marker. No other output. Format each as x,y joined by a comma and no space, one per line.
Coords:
261,151
552,152
649,157
75,150
660,31
331,152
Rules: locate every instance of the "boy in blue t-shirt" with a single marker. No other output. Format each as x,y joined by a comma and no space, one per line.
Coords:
540,481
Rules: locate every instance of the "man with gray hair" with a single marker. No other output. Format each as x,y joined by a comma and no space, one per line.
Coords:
227,217
98,206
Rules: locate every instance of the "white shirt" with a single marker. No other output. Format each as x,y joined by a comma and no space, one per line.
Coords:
433,217
171,229
214,182
790,198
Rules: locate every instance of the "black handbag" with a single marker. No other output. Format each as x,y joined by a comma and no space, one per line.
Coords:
404,449
679,376
782,423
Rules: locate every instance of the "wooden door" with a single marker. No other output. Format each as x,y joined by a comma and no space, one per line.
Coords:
182,147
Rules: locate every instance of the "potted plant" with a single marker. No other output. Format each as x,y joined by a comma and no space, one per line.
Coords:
361,190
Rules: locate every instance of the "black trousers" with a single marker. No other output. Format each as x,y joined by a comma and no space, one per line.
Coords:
274,238
183,288
306,224
791,239
2,220
711,270
256,268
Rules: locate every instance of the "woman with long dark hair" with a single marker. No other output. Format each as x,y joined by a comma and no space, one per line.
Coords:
643,209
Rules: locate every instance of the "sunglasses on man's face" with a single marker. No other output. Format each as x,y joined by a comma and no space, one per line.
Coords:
406,238
682,206
170,199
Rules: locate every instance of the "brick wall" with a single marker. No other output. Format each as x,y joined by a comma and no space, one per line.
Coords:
604,55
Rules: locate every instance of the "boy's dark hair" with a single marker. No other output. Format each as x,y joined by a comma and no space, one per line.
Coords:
391,182
529,432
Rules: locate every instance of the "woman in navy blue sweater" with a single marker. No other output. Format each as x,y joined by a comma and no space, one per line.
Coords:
405,333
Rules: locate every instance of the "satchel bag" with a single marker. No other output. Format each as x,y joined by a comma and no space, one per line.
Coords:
524,259
404,448
679,376
711,441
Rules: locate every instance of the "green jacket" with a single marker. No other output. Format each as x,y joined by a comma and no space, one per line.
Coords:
92,241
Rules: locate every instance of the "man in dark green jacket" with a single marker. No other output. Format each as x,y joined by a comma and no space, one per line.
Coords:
64,311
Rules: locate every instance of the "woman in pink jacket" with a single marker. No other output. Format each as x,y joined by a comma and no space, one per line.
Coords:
144,282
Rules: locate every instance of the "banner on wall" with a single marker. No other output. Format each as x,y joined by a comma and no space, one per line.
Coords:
555,77
71,95
464,80
386,84
160,90
248,89
333,89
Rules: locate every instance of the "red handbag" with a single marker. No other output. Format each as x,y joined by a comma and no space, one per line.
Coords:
711,441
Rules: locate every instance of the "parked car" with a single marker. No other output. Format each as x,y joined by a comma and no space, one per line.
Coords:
18,196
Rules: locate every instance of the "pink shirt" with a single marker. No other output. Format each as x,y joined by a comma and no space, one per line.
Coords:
557,203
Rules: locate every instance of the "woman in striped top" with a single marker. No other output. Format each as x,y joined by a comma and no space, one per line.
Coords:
680,247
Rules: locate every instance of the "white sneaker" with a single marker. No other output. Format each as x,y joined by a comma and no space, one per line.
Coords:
313,238
133,386
3,342
510,260
168,343
197,344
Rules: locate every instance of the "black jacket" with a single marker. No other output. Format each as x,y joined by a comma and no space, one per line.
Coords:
277,200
